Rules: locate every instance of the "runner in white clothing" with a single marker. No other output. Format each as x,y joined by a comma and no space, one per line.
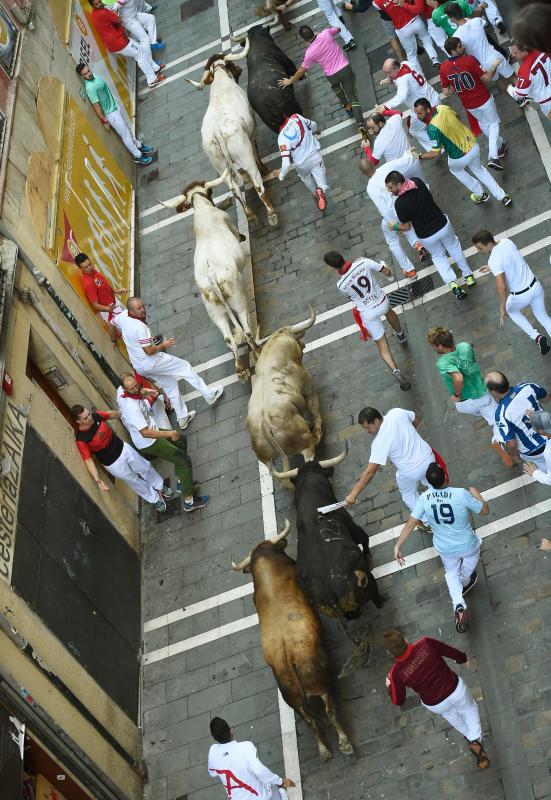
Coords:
139,25
410,84
391,140
473,35
243,775
541,422
396,438
358,282
384,201
296,142
515,278
533,79
151,360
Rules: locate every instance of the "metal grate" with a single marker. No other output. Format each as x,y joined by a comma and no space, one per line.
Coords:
412,291
193,7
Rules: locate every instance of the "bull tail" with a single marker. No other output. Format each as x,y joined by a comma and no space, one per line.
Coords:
267,433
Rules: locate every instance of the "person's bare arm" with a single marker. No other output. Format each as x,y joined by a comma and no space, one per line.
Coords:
93,472
458,384
387,272
300,73
113,414
417,421
367,475
489,74
151,433
501,286
486,506
404,535
399,226
101,115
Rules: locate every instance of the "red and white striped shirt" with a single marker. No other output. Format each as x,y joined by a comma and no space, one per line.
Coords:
534,77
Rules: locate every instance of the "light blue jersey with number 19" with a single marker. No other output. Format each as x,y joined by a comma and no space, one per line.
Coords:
447,511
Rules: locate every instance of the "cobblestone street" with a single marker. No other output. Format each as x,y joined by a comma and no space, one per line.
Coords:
201,644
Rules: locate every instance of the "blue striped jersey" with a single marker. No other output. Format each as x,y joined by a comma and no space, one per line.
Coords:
512,420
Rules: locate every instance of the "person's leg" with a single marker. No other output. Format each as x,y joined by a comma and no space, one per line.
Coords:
136,30
461,711
420,30
142,467
537,304
394,320
348,81
181,369
176,455
409,43
319,174
437,250
142,56
452,571
160,416
513,307
123,468
483,175
458,170
149,23
304,172
327,7
468,566
384,352
438,35
453,246
169,385
492,12
115,119
484,407
393,241
489,122
408,487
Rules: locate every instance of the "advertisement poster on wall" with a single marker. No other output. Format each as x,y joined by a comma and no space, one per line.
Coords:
12,735
87,46
94,205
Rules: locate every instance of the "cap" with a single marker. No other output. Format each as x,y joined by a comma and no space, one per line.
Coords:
541,420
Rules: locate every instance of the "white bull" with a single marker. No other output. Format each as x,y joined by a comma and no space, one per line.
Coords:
228,130
282,393
218,263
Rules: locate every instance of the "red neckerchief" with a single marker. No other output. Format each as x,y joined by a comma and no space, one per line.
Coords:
404,655
138,396
344,270
430,114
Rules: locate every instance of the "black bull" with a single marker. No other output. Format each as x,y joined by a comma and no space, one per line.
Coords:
266,64
332,569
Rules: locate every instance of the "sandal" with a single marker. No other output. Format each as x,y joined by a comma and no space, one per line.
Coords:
482,760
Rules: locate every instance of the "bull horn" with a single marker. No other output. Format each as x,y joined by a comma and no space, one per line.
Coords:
242,54
242,565
272,22
217,181
201,83
284,533
282,476
174,203
300,327
260,342
332,462
237,39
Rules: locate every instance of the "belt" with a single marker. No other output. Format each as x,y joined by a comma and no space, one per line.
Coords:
525,290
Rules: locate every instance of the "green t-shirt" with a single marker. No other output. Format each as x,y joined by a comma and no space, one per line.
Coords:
98,92
462,360
440,18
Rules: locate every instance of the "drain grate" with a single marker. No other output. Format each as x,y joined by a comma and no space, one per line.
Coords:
193,7
413,291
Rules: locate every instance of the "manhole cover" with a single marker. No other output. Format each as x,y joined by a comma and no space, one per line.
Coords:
193,7
412,291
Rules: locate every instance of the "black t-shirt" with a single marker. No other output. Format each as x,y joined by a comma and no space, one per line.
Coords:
418,207
100,441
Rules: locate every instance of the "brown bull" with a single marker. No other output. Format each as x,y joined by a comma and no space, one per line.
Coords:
283,392
290,631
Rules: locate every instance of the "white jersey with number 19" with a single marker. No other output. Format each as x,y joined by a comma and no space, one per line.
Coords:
360,285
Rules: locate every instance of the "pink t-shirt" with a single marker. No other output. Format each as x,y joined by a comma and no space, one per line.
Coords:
325,50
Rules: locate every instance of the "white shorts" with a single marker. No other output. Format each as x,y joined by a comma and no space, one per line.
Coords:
371,318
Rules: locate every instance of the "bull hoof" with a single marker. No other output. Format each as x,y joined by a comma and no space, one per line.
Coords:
347,749
325,754
244,375
273,219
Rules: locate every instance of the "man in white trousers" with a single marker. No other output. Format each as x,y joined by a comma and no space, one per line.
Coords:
420,666
534,78
110,116
110,28
514,405
411,85
541,422
396,438
237,765
94,437
333,14
449,135
447,509
415,208
139,25
517,286
151,360
384,202
408,22
297,143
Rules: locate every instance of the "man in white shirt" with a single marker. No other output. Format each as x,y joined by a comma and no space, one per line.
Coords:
390,137
473,35
358,282
410,84
541,422
534,78
136,406
514,276
396,438
384,201
151,360
296,142
243,775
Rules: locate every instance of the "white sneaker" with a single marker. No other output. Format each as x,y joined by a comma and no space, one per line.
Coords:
183,423
217,394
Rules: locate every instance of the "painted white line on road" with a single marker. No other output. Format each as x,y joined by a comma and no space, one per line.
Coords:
540,138
342,333
490,529
242,591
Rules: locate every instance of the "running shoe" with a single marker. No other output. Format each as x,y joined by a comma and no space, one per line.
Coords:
145,160
158,46
422,252
480,198
146,149
460,619
472,582
400,335
494,163
503,150
158,80
412,273
161,67
501,28
405,385
507,200
351,45
320,198
541,342
482,760
470,280
218,392
196,503
183,423
458,292
160,505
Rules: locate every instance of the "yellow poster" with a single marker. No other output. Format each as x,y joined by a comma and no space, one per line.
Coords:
94,205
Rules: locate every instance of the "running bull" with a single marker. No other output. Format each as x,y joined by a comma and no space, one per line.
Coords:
290,631
228,130
332,569
282,393
266,64
218,263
